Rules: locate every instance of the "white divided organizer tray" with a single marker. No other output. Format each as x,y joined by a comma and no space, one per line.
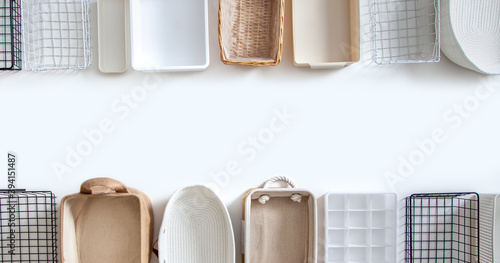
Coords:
169,35
111,15
325,33
360,228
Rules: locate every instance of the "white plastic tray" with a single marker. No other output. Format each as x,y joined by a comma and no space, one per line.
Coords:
112,35
169,35
325,33
360,228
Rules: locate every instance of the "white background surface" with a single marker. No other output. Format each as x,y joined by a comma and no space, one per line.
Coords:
350,126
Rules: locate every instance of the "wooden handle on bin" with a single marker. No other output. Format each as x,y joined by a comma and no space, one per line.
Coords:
102,186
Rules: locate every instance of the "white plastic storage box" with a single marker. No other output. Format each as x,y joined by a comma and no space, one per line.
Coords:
112,21
279,224
325,33
169,35
359,227
196,227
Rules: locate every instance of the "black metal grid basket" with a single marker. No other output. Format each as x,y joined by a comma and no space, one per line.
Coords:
442,227
10,35
28,227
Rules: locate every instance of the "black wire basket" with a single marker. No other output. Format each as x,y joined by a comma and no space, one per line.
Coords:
442,228
28,226
10,35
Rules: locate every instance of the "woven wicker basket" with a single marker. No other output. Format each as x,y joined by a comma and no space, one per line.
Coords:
251,32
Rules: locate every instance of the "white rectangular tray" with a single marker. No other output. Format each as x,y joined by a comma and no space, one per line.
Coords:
112,35
325,33
169,35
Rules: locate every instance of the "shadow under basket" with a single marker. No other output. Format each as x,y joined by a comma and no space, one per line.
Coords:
251,32
106,223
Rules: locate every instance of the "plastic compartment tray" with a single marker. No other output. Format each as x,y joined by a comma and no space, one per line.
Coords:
489,228
441,227
405,31
112,35
325,33
360,228
169,35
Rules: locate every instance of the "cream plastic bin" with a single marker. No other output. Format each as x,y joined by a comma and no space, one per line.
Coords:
325,33
112,35
169,35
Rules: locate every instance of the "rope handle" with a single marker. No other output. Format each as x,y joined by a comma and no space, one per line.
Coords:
297,198
279,178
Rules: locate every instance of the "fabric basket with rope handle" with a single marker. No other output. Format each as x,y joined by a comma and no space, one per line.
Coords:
106,222
279,224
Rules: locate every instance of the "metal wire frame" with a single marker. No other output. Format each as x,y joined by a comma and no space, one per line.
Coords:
56,34
10,35
31,216
442,227
405,31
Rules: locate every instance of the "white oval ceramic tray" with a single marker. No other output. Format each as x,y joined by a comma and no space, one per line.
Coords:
470,33
196,227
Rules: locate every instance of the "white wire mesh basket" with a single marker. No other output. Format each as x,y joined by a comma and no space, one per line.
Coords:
56,34
405,31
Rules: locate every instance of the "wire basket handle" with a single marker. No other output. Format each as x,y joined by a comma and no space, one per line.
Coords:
102,185
279,178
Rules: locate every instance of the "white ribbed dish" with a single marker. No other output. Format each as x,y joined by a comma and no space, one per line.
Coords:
489,225
196,227
470,34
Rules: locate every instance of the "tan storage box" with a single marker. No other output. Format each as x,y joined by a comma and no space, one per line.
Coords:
106,223
325,33
251,32
279,224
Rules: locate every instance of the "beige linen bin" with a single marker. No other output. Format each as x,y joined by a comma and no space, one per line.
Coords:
106,223
279,224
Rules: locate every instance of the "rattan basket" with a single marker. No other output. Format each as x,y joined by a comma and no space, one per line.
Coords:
251,32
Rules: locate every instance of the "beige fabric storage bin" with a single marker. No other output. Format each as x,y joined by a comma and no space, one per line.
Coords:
106,223
279,224
325,33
